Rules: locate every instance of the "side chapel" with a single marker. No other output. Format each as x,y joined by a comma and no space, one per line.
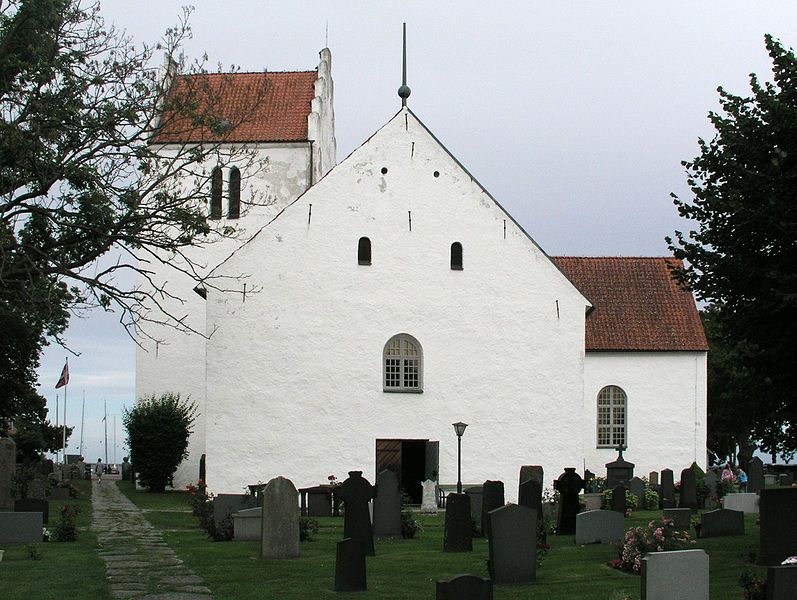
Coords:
389,296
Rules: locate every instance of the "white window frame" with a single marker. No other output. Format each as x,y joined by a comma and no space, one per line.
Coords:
396,367
614,400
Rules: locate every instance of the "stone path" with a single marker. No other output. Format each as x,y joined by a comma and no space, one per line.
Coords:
138,563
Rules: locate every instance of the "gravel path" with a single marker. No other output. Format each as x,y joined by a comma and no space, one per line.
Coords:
138,563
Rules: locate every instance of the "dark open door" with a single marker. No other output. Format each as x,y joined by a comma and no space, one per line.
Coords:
432,465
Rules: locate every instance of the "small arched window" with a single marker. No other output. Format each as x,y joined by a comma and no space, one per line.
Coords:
402,364
364,251
612,417
234,193
456,256
215,194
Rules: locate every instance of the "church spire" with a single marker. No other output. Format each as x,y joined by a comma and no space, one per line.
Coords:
404,91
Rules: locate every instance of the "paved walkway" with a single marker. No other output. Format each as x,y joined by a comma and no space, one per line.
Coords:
138,563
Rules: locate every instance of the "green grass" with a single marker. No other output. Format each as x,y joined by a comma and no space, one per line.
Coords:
66,570
407,569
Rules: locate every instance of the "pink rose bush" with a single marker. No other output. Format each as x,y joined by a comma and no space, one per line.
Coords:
658,536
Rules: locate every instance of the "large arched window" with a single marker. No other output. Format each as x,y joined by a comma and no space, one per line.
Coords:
215,194
402,364
456,256
234,194
364,251
612,417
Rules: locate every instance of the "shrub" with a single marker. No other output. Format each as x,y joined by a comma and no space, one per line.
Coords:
753,589
308,528
199,498
658,536
157,432
651,499
409,525
34,553
65,530
630,500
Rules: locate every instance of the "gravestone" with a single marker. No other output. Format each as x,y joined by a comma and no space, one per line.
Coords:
357,492
319,501
33,505
747,502
619,470
755,475
20,527
786,479
618,499
492,498
778,533
429,497
653,478
59,493
464,587
46,467
127,469
637,487
599,527
589,481
458,531
667,489
350,573
530,488
569,485
681,517
476,497
80,469
681,574
37,489
711,481
203,469
8,466
280,521
247,524
781,582
513,544
224,505
387,506
688,489
716,523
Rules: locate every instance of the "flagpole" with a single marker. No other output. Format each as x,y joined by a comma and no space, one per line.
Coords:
56,422
66,387
105,419
82,422
114,439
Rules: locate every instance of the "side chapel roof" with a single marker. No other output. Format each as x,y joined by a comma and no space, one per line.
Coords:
638,306
259,107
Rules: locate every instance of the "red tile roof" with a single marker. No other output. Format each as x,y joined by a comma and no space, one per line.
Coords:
259,107
638,306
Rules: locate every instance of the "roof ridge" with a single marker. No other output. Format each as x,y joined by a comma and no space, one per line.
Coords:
613,257
234,73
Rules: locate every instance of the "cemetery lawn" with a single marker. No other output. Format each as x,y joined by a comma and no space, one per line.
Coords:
407,569
65,569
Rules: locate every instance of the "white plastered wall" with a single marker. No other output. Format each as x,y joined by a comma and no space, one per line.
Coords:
295,372
666,396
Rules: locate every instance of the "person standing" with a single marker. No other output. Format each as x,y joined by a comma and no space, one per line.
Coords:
98,470
741,479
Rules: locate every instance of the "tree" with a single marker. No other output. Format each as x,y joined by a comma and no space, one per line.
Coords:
157,435
87,202
742,257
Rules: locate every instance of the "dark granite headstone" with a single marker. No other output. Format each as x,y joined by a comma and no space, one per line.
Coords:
618,499
755,475
357,492
279,536
350,566
667,489
20,527
781,582
8,466
224,505
619,470
711,480
513,544
722,521
688,489
33,505
653,478
637,487
319,502
681,517
778,516
569,484
127,469
476,497
203,471
492,498
59,493
531,495
528,472
465,587
37,489
458,532
387,506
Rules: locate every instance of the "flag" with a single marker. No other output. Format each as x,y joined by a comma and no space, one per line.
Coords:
64,377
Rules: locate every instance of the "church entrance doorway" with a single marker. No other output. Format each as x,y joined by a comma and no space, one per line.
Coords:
413,462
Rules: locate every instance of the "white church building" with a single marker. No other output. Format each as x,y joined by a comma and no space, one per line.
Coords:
389,296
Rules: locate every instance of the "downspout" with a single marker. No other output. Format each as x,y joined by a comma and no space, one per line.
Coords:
310,174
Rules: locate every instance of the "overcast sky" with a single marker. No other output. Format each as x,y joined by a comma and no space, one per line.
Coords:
574,115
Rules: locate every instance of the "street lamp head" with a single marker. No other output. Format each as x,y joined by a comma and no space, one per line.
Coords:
459,428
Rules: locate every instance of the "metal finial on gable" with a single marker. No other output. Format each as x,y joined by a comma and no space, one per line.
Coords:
404,91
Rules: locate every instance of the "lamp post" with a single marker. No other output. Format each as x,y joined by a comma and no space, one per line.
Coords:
459,428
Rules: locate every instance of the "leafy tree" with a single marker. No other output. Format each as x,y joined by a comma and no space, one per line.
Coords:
742,257
87,201
157,435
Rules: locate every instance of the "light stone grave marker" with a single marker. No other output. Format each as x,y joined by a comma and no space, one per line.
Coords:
280,522
429,500
681,574
599,526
